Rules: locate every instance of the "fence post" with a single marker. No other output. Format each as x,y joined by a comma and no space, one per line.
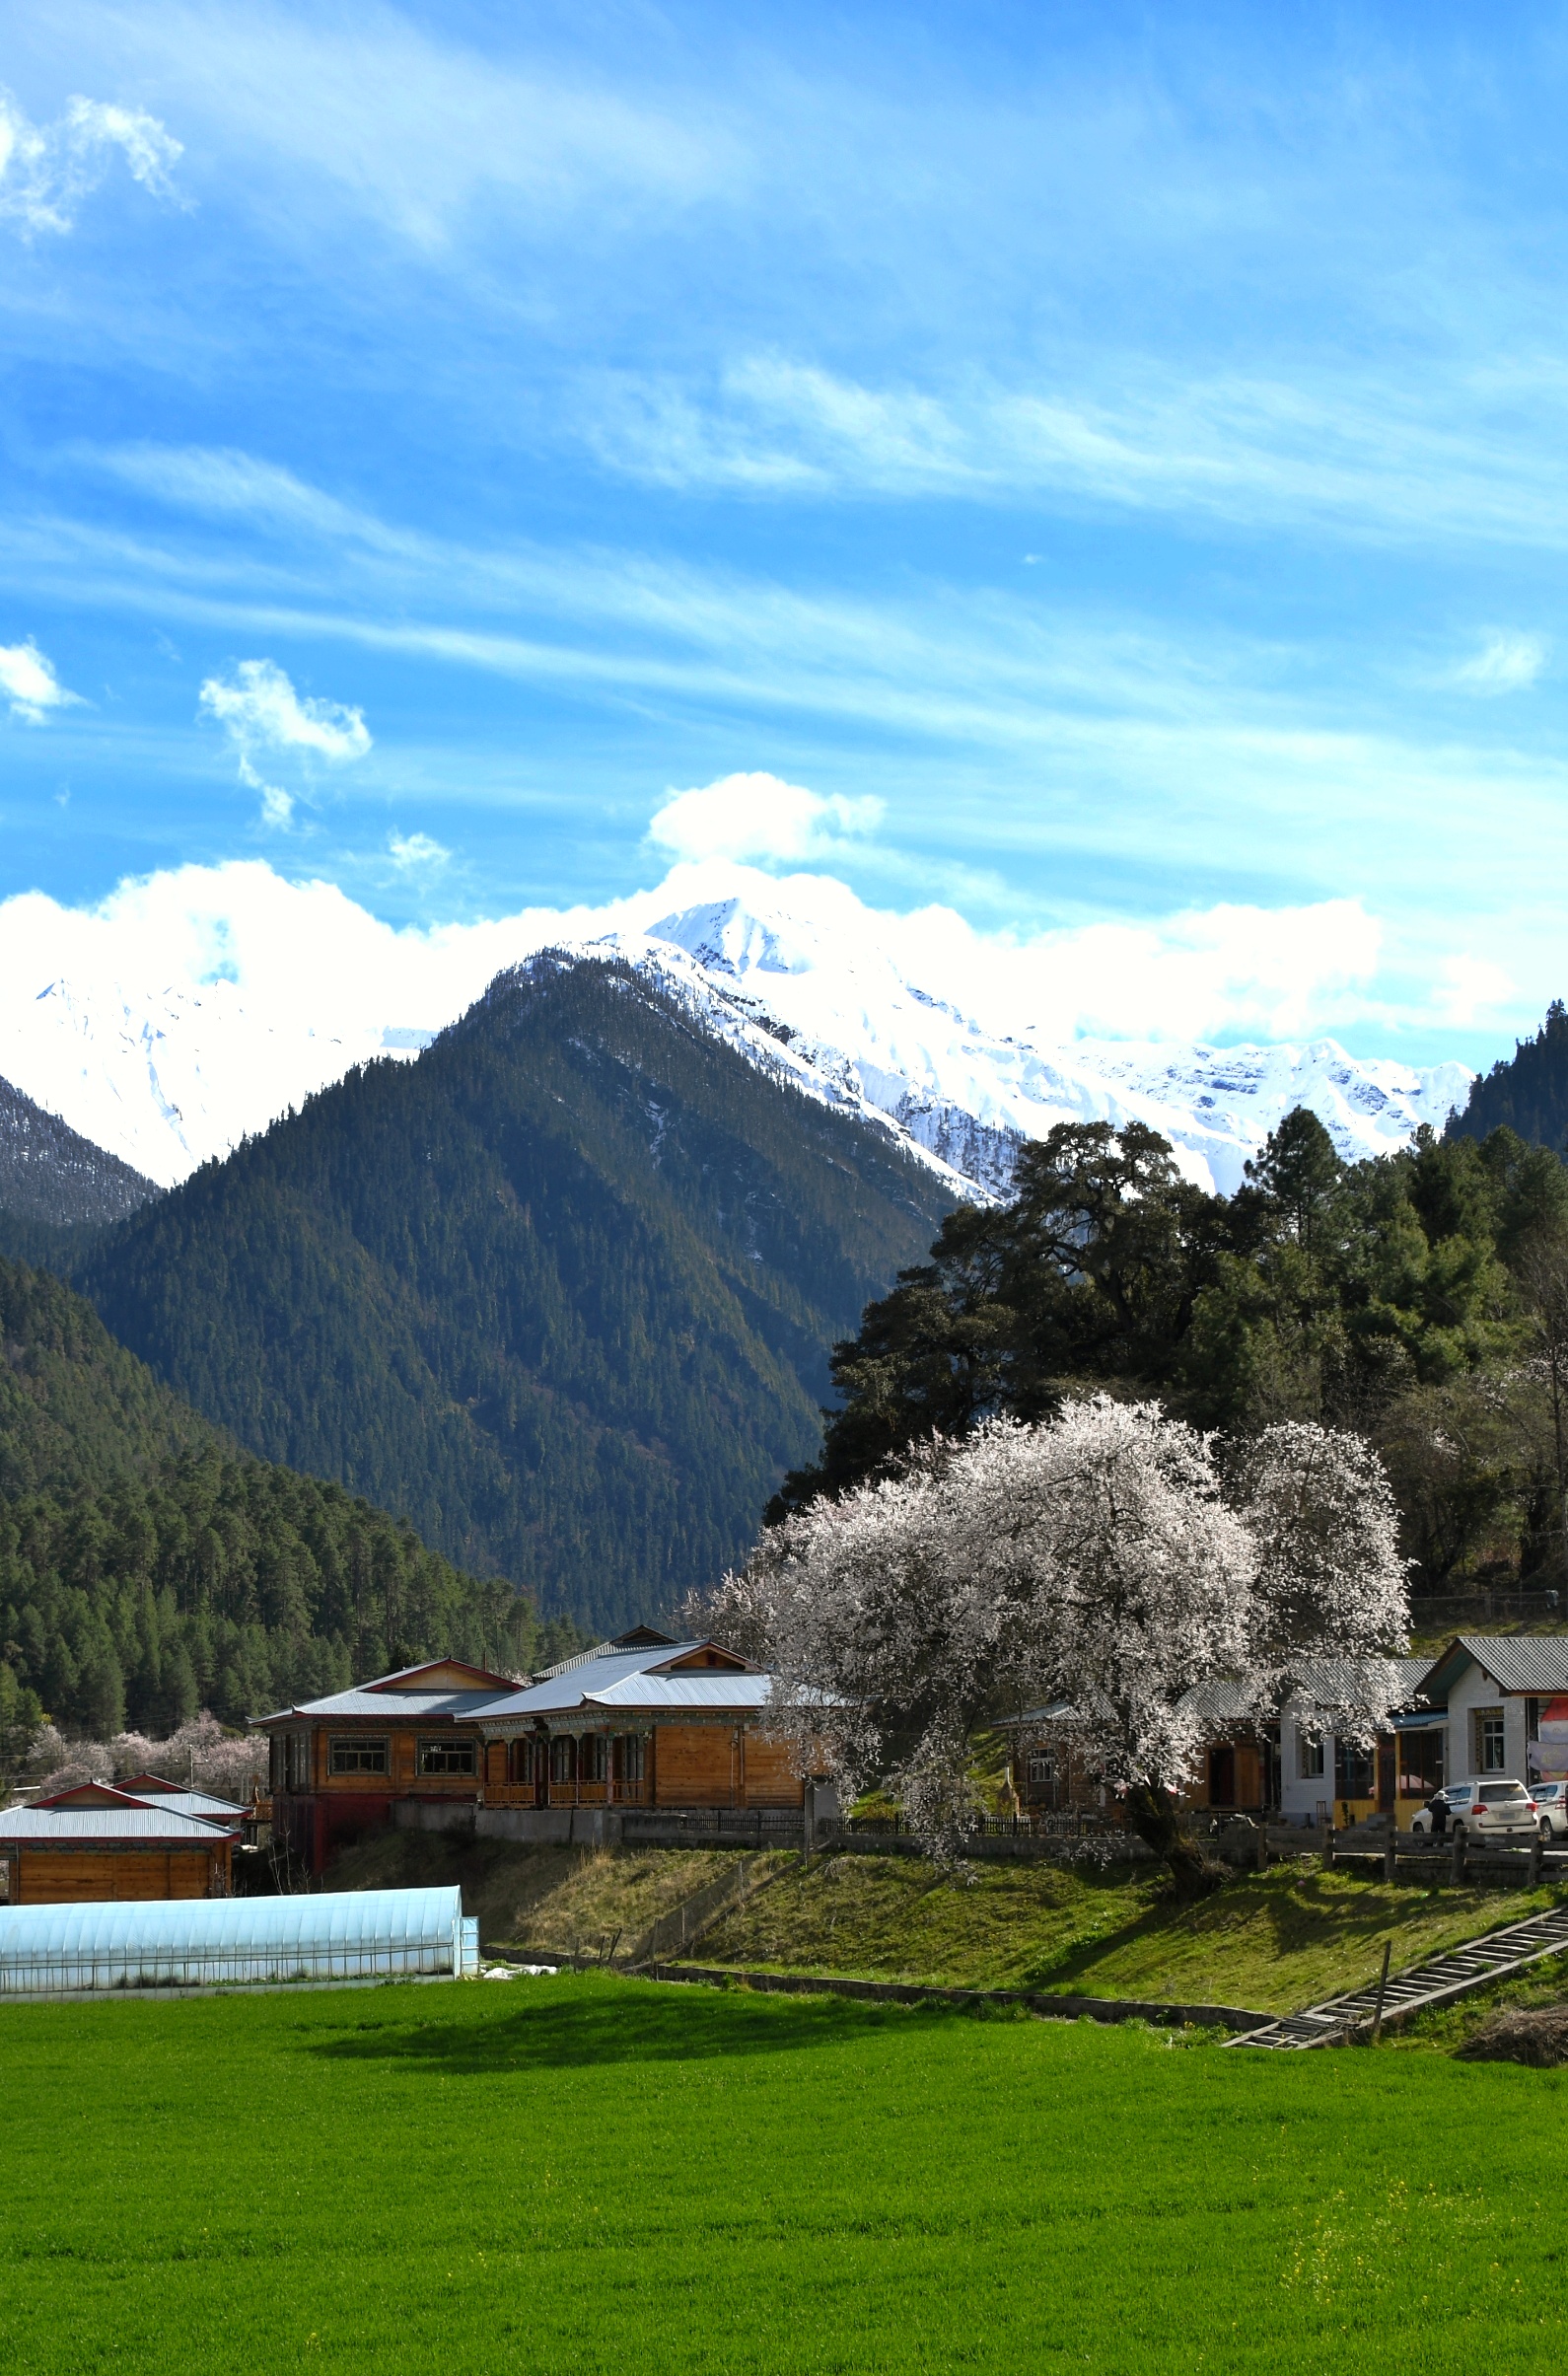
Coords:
1390,1850
1456,1868
1535,1847
1328,1848
1383,1983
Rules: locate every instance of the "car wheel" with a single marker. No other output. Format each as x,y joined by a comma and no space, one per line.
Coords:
1459,1836
1546,1832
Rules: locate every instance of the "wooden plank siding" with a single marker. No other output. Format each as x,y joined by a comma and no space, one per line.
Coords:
113,1876
774,1775
698,1766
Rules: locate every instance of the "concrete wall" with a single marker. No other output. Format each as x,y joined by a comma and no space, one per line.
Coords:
1473,1692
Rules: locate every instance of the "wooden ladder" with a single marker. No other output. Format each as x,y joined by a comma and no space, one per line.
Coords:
1436,1981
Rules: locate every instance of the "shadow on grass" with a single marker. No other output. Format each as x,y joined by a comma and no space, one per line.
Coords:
1286,1914
619,2024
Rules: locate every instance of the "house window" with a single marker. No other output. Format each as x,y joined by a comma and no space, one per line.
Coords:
1042,1768
297,1760
594,1757
356,1755
446,1757
1353,1769
521,1761
563,1758
629,1758
1492,1754
1309,1756
276,1777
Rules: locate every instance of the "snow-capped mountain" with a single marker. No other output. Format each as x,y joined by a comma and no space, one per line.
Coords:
195,1009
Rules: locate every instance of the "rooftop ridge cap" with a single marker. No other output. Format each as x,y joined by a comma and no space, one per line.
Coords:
579,1658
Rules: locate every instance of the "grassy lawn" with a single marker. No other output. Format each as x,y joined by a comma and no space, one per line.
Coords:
1274,1941
593,2174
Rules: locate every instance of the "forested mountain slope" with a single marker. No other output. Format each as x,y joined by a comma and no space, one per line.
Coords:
1527,1092
149,1567
563,1290
55,1187
1420,1298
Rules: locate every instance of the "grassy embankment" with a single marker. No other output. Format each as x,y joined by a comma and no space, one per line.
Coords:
599,2174
552,1901
1274,1942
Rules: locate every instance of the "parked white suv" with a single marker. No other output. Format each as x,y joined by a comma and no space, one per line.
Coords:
1552,1806
1481,1809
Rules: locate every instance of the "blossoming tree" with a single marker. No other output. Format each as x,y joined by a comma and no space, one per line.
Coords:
1102,1559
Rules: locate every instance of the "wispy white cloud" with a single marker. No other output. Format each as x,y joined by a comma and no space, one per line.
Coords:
28,683
1361,454
277,803
1507,663
259,709
48,171
417,853
414,129
758,815
260,705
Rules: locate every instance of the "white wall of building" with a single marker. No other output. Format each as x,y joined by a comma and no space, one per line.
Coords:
1474,1692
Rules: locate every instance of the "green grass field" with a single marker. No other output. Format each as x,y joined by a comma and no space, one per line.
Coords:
594,2174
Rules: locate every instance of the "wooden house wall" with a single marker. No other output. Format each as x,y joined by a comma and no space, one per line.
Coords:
696,1766
91,1877
774,1775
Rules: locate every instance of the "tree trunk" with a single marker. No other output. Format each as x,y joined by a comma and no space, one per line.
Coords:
1159,1823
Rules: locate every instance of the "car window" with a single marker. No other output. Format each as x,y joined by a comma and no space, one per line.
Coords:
1548,1790
1498,1794
1460,1790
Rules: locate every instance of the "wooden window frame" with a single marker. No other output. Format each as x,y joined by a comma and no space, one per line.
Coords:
358,1745
435,1746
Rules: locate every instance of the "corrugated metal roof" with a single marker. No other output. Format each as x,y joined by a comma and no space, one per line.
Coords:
39,1824
631,1679
193,1802
388,1708
1339,1681
1515,1662
686,1691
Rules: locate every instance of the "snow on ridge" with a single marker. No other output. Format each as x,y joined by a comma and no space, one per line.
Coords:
894,1019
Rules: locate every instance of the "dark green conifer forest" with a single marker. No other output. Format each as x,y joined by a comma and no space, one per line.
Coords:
148,1567
1420,1298
563,1291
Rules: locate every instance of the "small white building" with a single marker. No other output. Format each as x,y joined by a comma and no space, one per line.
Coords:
1505,1704
1328,1775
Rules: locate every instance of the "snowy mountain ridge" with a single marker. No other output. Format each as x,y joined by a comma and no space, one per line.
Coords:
167,1044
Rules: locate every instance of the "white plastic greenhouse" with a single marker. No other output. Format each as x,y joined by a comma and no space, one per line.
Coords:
208,1942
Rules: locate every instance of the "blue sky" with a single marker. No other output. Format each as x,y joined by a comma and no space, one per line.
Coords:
1126,443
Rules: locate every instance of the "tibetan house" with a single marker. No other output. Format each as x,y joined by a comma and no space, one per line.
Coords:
96,1844
642,1722
1289,1762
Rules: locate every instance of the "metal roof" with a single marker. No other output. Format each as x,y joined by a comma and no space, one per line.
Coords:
37,1823
1339,1681
193,1802
394,1707
1515,1662
613,1677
